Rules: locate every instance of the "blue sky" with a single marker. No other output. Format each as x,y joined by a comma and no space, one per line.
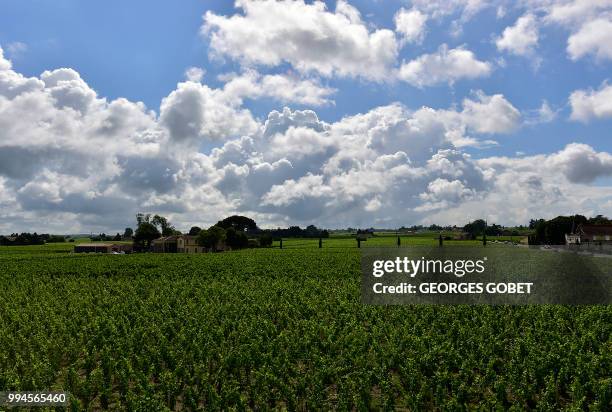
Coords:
140,51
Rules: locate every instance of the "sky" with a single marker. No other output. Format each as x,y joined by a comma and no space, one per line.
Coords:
362,113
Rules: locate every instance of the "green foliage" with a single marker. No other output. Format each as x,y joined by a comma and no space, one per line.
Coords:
475,228
553,231
240,223
265,240
271,329
236,239
145,234
162,223
212,238
128,233
194,231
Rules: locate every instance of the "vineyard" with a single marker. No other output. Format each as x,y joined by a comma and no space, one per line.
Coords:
280,329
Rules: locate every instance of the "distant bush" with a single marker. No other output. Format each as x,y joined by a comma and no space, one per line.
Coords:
265,240
236,239
253,243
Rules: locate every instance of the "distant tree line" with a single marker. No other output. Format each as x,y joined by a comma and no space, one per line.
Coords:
103,237
235,232
311,231
24,239
553,231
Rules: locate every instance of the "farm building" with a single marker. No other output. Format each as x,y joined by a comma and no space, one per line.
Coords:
166,244
177,244
180,244
102,248
590,234
189,244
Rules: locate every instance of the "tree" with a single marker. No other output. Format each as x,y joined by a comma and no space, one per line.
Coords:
494,230
145,233
599,220
235,239
142,218
211,238
240,223
117,237
553,231
162,223
128,233
194,231
533,223
475,228
56,239
265,240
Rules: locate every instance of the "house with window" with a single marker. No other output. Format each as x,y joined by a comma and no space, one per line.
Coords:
590,234
167,244
189,244
181,244
102,248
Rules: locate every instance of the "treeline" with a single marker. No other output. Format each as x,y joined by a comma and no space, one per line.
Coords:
103,237
24,239
553,231
476,228
310,231
233,232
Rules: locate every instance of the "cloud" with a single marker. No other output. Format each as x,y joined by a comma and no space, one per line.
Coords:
581,164
576,163
593,38
68,89
520,39
442,193
194,74
544,186
16,49
591,104
69,155
410,24
442,8
307,36
285,88
461,11
572,12
4,63
490,114
444,66
544,114
194,113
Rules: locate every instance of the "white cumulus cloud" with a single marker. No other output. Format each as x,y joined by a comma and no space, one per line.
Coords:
411,25
306,35
591,104
443,66
593,38
520,39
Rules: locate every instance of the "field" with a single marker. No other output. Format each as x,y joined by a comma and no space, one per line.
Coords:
280,329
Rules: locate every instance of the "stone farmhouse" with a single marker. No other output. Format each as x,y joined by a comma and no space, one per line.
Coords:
178,244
